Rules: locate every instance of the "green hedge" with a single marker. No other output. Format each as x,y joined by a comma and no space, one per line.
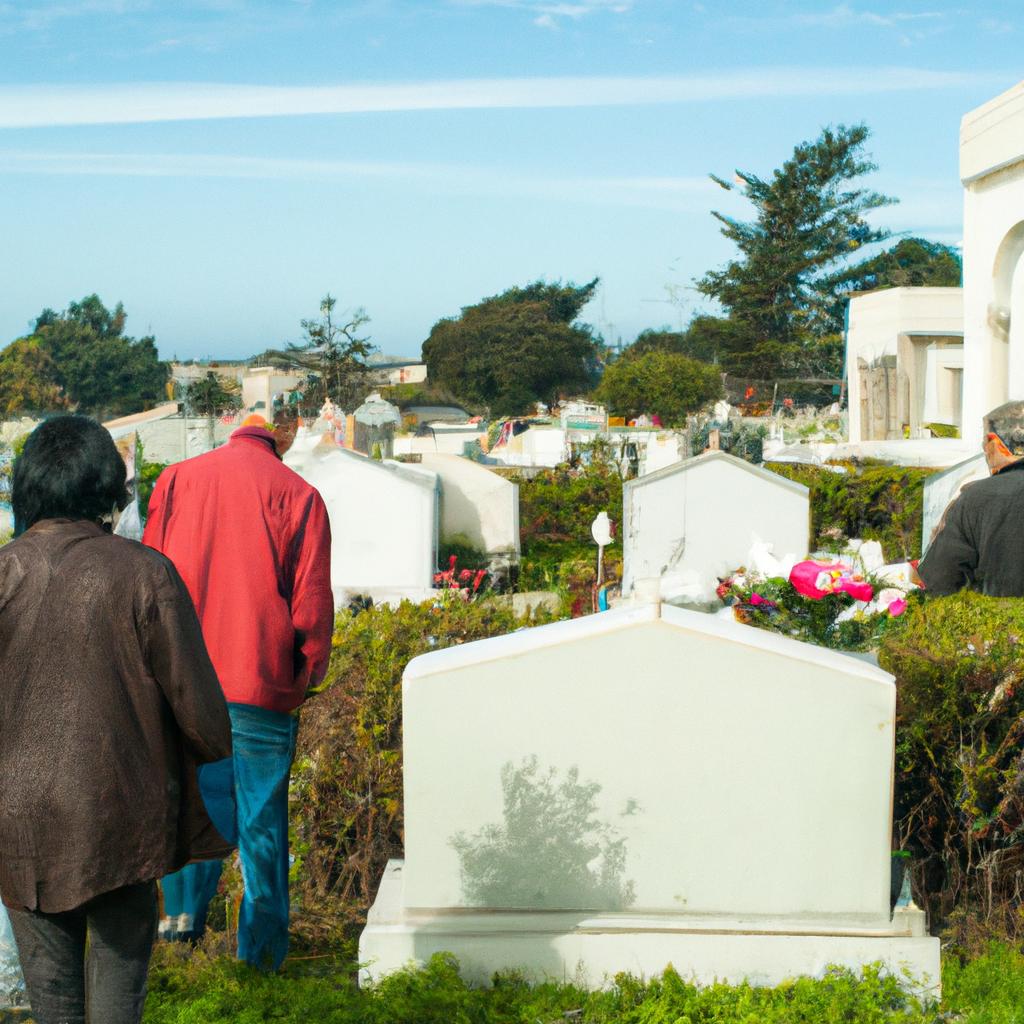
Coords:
960,728
882,503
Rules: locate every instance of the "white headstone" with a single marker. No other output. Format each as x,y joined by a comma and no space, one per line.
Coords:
643,787
477,503
703,515
384,522
942,489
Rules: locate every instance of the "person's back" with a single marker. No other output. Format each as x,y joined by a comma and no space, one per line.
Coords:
108,703
252,541
249,537
977,545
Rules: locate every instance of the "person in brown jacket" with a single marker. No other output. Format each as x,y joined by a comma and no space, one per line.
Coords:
108,703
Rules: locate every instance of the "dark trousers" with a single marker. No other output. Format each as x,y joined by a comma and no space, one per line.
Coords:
62,978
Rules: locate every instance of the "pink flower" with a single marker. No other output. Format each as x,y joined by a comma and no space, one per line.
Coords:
898,607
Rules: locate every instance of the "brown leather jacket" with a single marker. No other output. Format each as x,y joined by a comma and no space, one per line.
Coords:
108,701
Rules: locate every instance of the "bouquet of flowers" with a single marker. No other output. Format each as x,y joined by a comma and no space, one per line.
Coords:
843,601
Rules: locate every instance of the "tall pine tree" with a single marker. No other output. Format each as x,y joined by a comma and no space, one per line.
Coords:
808,218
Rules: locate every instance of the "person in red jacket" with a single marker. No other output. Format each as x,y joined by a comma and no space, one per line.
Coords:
252,542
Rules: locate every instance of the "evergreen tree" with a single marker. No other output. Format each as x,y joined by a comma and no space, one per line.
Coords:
776,294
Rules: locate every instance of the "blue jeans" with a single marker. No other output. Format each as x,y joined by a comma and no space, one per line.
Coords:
247,798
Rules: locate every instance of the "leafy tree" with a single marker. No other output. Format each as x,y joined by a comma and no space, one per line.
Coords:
910,263
333,357
776,294
81,359
658,382
212,395
514,349
28,379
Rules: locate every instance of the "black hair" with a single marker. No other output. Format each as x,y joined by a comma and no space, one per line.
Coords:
70,469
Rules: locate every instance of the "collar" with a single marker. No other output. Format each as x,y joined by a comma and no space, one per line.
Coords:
257,434
1019,464
68,525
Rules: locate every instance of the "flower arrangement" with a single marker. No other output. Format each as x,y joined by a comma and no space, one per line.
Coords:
844,602
468,581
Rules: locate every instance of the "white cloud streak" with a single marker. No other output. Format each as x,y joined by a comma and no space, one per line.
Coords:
137,103
843,16
666,193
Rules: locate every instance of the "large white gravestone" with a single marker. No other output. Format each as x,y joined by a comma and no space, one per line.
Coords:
699,519
942,489
643,787
476,503
384,521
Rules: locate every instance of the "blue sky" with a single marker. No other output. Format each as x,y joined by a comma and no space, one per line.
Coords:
218,165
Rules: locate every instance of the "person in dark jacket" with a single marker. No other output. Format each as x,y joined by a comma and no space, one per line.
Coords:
977,545
108,703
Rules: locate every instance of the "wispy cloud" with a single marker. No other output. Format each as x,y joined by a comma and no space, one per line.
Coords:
547,13
135,103
35,16
845,16
677,194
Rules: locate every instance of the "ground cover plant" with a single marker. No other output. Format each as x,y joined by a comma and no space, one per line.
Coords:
187,988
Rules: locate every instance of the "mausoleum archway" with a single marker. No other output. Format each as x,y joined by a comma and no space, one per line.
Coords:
1006,319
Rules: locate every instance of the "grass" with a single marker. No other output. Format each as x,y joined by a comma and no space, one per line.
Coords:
200,989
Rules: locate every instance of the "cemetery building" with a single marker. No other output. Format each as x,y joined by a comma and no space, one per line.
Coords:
644,787
904,362
992,172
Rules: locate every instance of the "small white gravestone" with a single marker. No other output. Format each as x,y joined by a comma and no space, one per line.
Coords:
384,522
644,787
942,489
698,519
477,503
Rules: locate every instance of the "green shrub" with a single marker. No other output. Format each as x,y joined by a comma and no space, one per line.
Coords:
960,726
556,509
943,429
872,502
146,477
346,799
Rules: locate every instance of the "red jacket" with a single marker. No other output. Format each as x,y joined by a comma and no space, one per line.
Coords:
252,542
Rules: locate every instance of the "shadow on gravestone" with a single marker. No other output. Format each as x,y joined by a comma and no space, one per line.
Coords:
551,852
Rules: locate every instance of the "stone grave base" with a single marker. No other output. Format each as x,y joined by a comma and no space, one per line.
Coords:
591,948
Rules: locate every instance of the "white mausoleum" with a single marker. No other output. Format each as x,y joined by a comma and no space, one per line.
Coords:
904,362
992,171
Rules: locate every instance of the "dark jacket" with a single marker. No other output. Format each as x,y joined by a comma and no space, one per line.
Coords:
108,701
980,544
252,542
